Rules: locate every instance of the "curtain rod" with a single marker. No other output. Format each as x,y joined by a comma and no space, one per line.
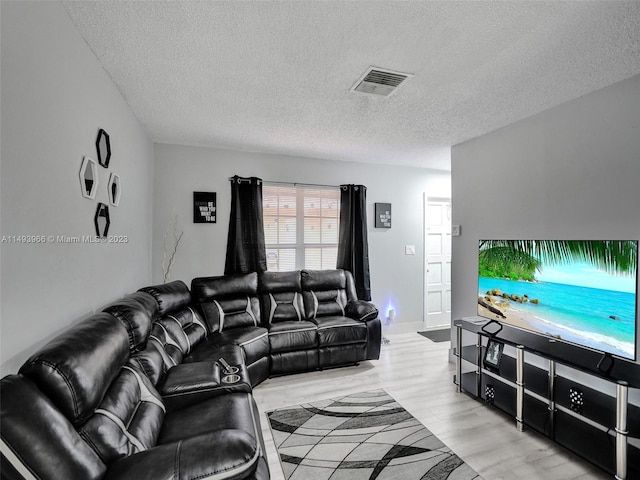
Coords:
295,184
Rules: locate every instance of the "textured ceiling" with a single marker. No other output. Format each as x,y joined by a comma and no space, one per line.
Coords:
275,76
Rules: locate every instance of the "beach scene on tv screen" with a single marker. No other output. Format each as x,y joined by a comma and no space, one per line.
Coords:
582,292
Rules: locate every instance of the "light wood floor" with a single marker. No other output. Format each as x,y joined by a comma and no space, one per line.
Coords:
417,373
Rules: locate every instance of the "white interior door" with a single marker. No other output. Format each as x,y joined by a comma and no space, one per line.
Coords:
437,235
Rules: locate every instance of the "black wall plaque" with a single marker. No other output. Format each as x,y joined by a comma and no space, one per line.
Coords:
204,207
101,220
383,215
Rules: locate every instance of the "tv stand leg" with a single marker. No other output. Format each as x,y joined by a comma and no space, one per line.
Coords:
622,392
458,358
519,387
551,394
479,365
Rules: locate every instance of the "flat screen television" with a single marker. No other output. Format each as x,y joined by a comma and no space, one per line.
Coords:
579,291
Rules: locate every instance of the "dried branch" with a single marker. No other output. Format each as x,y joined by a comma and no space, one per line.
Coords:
167,264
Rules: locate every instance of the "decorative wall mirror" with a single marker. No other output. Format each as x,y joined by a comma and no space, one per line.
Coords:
114,189
103,147
102,220
89,177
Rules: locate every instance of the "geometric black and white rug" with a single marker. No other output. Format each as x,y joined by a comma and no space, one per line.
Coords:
363,436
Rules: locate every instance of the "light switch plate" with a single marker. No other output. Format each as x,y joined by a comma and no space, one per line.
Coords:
455,230
409,249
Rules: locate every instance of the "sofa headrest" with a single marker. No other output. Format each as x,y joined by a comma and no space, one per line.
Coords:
277,282
323,280
237,285
136,312
75,369
40,440
152,362
170,297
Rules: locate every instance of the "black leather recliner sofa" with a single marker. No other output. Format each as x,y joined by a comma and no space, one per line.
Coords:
141,390
289,322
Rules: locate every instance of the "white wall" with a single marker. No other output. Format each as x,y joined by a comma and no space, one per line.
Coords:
396,279
55,97
571,172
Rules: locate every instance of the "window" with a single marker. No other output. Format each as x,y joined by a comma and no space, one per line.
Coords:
300,226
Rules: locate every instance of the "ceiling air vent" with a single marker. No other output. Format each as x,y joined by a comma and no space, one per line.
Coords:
376,81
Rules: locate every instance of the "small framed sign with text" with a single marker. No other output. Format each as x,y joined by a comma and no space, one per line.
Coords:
383,215
204,207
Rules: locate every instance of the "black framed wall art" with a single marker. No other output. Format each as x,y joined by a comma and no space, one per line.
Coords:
383,215
204,207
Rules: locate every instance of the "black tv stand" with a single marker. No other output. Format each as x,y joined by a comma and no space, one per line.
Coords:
541,382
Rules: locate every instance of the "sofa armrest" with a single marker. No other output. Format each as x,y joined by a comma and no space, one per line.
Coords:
222,454
190,383
361,310
368,313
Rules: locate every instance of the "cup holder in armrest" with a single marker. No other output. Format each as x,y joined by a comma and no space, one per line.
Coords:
231,378
231,370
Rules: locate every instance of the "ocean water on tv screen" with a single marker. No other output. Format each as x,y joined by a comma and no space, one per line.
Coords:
601,319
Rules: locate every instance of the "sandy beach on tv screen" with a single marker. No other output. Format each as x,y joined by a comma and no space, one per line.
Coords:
512,318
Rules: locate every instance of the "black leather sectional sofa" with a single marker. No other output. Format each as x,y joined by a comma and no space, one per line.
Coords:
289,322
159,384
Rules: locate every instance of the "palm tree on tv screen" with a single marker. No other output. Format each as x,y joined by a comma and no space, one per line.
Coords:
520,259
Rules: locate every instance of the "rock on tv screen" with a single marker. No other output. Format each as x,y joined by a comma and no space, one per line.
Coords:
579,291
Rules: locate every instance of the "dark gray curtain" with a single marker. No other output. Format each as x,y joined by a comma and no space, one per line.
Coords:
245,243
353,247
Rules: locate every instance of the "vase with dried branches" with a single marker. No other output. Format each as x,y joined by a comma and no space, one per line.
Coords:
170,246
